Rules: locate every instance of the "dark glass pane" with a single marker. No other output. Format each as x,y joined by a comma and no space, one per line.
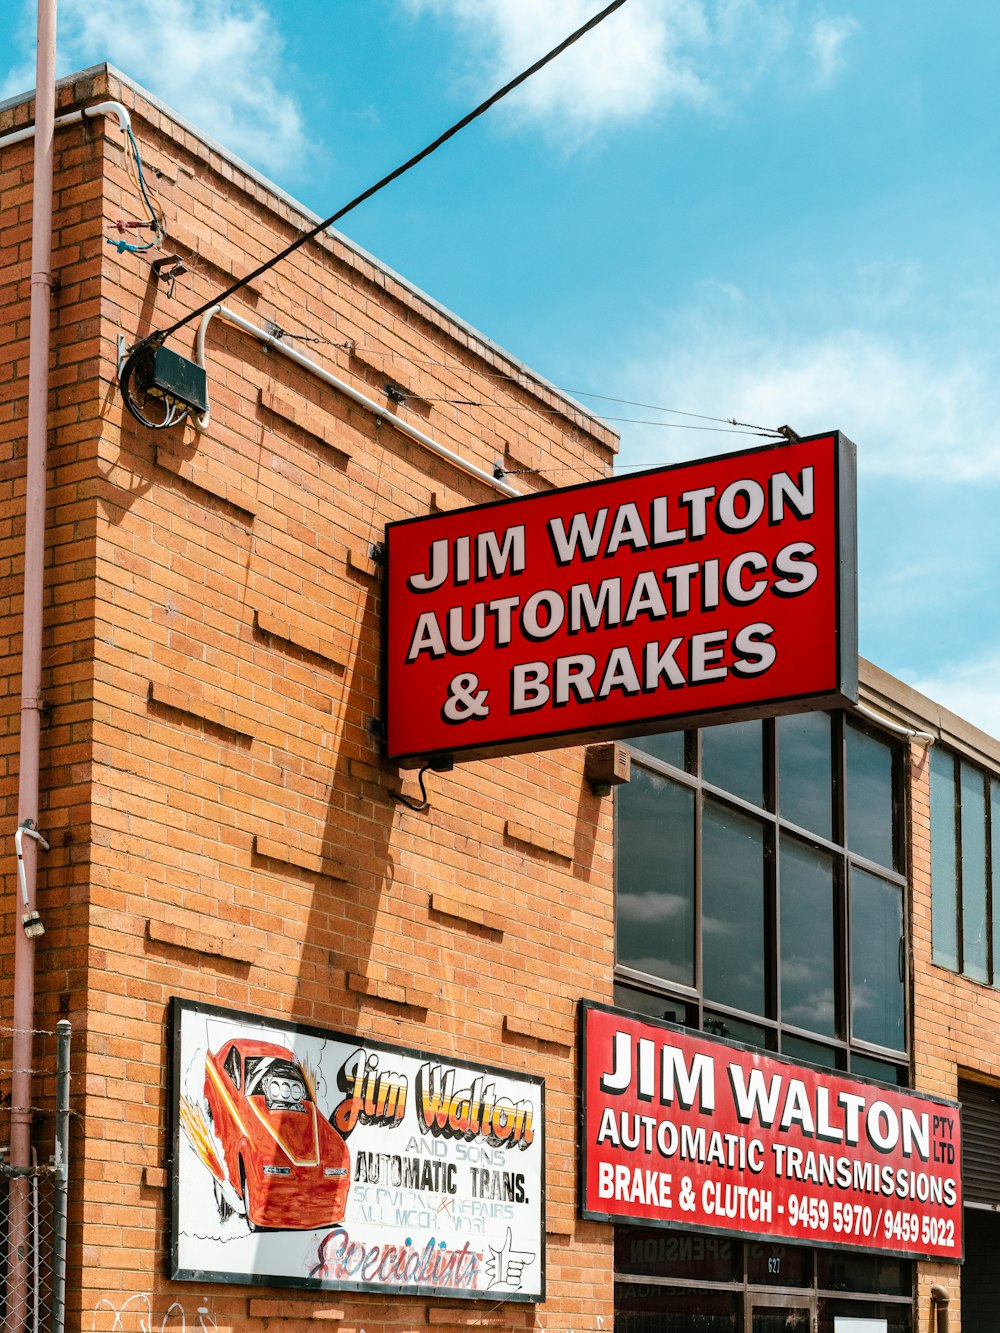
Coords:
944,860
882,1275
805,772
898,1318
810,1052
732,909
866,1067
646,1308
665,745
876,949
870,828
778,1265
732,758
808,993
789,1319
973,799
735,1029
995,873
652,1005
655,877
654,1252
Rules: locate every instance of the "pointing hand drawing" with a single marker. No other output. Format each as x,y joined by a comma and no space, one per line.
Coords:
505,1266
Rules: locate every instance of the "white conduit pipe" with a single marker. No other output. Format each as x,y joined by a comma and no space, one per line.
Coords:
924,737
71,118
378,409
22,878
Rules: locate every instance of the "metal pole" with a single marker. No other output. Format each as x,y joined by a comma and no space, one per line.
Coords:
60,1163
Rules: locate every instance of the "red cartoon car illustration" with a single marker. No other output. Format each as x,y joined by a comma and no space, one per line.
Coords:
286,1162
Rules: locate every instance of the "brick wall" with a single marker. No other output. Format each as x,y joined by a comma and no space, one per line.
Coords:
75,419
222,826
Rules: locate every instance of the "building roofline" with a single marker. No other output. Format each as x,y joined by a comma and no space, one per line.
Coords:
899,702
110,71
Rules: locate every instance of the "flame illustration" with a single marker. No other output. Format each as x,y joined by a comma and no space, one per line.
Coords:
199,1135
309,1074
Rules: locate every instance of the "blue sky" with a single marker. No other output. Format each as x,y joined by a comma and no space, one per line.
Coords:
775,210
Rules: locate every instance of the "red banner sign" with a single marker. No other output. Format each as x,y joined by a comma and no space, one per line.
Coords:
707,591
683,1131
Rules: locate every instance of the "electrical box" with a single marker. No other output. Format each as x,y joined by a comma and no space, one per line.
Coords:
164,374
606,765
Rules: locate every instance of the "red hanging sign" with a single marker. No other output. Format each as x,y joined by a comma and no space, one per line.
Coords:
709,591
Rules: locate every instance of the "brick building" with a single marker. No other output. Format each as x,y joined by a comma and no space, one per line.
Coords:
230,861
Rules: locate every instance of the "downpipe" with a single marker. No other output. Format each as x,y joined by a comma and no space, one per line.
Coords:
939,1305
18,1270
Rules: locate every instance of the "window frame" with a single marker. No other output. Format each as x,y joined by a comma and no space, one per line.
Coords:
691,1000
990,784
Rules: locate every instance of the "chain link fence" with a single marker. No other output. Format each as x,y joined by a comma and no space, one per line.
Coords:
27,1252
33,1199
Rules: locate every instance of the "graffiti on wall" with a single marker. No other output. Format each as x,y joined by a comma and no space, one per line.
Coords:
135,1314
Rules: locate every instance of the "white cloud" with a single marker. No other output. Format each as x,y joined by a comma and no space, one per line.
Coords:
970,688
649,55
826,42
913,377
921,402
217,62
618,72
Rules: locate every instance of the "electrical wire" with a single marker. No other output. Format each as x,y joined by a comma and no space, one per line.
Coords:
729,426
764,431
161,335
725,426
607,398
655,407
421,805
173,413
139,180
278,332
156,221
352,345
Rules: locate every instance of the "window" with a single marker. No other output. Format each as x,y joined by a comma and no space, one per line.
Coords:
808,936
669,1281
232,1066
656,877
965,867
760,889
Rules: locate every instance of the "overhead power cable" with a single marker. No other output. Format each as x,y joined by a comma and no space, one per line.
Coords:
764,432
161,336
352,345
727,426
655,407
